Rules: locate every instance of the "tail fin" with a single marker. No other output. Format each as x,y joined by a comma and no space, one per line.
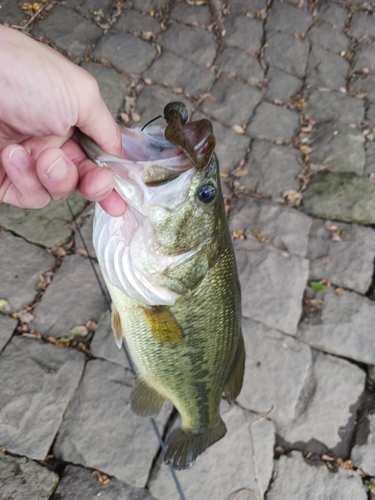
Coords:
183,447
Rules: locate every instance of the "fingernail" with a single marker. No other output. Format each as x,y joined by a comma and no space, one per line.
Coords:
57,170
19,158
102,193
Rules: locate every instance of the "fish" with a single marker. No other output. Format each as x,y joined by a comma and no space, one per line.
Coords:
170,269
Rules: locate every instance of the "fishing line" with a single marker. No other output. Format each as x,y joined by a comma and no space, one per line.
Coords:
127,354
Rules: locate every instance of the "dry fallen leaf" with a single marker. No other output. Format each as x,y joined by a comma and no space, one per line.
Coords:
57,342
58,252
36,6
147,81
80,330
238,129
240,173
125,117
26,6
239,234
306,150
256,232
82,252
24,316
224,175
136,117
345,464
314,304
103,479
81,346
340,291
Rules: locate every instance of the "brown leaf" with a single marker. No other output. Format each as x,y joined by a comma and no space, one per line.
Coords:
136,117
26,6
256,232
125,117
224,175
105,63
239,234
81,346
147,81
340,291
57,342
82,252
238,129
103,479
58,252
24,316
240,173
306,150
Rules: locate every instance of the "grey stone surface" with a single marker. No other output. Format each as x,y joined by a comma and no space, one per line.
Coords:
80,483
326,69
345,327
362,26
266,382
272,170
335,107
327,37
11,14
37,381
99,430
370,115
132,21
228,465
195,44
370,158
343,197
283,228
281,86
191,14
295,479
326,412
46,226
247,6
23,479
20,267
72,299
287,53
234,101
365,57
363,455
103,344
288,19
88,7
333,14
264,273
7,326
243,33
112,86
86,232
235,62
176,72
149,5
365,86
273,122
69,31
346,260
125,52
338,147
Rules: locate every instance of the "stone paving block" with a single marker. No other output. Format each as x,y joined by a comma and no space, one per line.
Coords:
335,107
370,115
273,122
79,483
362,26
86,232
20,267
345,327
283,228
147,5
227,466
103,344
72,299
327,37
295,479
247,6
87,7
326,69
272,170
363,455
132,21
176,72
288,19
37,381
69,31
343,197
333,14
267,384
365,86
243,33
365,57
99,430
195,44
338,147
112,86
23,479
191,14
345,261
125,52
152,100
7,326
10,14
46,226
287,53
281,86
238,63
272,284
234,101
370,158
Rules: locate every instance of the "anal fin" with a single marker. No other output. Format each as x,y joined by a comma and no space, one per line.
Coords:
116,326
145,401
233,385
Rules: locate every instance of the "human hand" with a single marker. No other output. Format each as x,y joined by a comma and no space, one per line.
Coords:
43,97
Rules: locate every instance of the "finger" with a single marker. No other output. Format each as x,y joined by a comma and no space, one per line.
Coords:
24,189
57,173
113,204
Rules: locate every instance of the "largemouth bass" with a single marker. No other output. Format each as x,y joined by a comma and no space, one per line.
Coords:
169,266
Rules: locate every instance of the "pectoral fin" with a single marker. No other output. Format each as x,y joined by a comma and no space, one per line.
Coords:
233,384
145,401
163,325
116,326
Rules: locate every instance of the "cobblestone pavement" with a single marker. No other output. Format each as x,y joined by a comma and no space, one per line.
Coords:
290,89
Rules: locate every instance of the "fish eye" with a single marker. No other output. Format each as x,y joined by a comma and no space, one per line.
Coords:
176,109
206,193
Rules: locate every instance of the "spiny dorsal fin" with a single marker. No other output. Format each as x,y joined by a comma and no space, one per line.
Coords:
116,326
145,401
163,325
233,385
